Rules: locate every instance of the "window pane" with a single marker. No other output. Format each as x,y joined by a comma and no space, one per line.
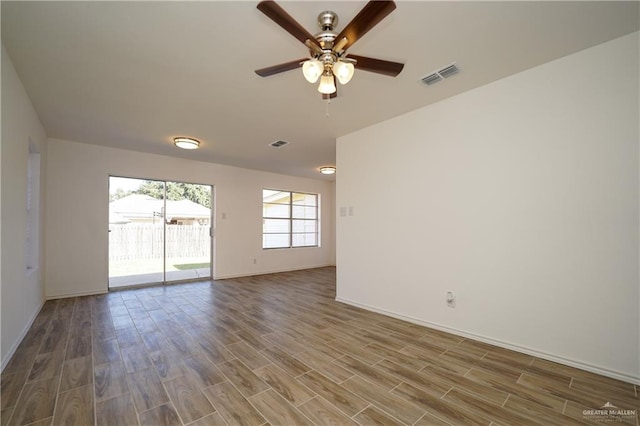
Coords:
290,219
275,226
275,210
275,240
303,240
305,199
305,226
304,212
275,197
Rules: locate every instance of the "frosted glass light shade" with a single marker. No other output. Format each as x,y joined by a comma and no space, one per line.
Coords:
343,71
186,143
312,70
327,86
327,170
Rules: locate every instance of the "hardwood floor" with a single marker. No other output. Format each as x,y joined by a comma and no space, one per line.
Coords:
277,349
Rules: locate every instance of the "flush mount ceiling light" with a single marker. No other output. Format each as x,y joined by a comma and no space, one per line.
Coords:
186,143
328,49
327,170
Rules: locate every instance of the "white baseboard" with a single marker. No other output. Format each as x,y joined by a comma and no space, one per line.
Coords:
217,277
83,293
24,332
529,351
271,271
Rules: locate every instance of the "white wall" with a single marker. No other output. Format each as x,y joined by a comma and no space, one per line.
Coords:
77,214
22,292
521,197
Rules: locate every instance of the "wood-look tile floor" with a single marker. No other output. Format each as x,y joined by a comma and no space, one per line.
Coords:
276,349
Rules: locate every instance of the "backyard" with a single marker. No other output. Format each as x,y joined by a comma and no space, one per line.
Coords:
119,268
137,253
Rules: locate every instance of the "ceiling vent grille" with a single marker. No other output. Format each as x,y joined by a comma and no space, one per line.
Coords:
278,144
440,75
431,79
447,72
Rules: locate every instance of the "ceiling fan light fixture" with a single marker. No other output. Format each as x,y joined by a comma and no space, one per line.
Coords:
312,70
327,170
328,49
186,143
343,71
327,85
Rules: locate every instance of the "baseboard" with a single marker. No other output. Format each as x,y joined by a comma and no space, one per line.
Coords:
529,351
80,294
274,271
216,277
24,332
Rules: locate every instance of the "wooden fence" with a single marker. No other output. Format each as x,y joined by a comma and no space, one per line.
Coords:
133,242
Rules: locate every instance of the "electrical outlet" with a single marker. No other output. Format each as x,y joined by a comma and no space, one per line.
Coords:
255,261
451,300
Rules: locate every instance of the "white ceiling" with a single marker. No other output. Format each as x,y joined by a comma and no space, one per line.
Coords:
134,74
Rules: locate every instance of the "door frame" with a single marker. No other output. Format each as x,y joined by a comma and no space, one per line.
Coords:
212,234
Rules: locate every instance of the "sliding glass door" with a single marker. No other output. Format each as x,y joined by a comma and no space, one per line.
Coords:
159,231
187,236
136,232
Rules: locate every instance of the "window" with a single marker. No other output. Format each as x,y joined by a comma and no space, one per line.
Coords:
289,219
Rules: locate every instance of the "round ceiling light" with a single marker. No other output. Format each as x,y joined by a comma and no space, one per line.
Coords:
186,143
327,170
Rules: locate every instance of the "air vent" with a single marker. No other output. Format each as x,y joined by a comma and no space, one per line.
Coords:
441,74
449,71
431,79
278,144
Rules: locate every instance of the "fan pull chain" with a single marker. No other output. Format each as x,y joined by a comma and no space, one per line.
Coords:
327,112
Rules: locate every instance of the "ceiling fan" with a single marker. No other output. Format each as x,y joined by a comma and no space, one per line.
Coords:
328,50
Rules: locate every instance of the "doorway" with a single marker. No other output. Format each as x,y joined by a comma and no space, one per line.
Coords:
159,232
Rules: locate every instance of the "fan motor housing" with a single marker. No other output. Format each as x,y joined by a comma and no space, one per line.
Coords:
327,20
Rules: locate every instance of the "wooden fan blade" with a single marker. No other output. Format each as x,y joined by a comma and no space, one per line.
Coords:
370,15
286,21
275,69
379,66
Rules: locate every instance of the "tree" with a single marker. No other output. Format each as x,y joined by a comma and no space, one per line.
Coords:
120,193
151,188
176,191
